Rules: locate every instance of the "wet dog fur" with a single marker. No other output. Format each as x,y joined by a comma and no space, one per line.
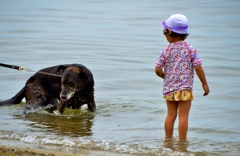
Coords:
73,88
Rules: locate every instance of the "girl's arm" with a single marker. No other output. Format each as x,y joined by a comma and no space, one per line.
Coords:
159,72
201,75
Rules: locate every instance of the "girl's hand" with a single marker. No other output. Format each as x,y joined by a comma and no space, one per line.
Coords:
206,89
159,72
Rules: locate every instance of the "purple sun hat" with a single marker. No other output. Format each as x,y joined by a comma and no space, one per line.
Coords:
178,23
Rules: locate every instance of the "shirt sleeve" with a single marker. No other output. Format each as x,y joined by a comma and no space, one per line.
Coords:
160,60
195,57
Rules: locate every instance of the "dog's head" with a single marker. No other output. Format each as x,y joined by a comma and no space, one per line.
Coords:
73,79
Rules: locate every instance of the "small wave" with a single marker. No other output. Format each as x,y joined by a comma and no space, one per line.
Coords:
136,149
82,142
88,143
29,139
11,135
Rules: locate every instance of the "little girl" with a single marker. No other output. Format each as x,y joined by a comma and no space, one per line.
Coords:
176,64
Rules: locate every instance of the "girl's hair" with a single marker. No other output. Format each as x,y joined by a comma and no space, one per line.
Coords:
183,36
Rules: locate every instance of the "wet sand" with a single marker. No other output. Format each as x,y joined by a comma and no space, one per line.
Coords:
25,151
16,151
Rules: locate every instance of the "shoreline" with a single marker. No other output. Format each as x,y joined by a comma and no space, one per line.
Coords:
15,151
25,151
17,148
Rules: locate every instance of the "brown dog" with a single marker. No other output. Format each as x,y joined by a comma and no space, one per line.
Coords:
71,89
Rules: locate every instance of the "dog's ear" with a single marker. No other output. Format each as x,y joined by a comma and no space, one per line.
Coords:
61,67
85,74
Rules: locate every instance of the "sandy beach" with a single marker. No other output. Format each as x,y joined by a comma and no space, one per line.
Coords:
20,151
24,151
15,151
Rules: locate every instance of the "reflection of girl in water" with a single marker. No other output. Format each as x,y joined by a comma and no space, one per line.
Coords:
176,145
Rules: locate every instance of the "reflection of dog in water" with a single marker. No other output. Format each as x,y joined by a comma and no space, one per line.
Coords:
73,88
73,123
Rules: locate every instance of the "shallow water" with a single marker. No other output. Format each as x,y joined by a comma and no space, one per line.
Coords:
119,41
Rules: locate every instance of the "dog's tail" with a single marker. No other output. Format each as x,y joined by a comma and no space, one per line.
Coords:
15,99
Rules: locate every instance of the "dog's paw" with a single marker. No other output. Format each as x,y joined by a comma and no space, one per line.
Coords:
56,112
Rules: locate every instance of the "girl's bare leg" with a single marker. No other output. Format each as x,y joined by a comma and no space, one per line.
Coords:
172,107
184,108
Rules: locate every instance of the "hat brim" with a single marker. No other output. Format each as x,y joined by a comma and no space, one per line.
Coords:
164,24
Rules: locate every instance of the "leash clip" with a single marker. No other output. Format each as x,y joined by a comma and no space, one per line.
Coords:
26,69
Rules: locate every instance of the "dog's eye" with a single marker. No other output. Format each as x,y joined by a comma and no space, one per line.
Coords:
71,84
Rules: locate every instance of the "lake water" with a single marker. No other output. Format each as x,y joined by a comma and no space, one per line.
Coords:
119,41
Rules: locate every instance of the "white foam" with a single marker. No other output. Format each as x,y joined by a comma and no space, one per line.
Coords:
29,139
87,142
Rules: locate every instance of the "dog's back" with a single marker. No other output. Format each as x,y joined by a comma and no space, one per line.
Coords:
42,79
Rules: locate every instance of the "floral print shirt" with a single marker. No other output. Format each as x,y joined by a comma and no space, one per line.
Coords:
178,60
